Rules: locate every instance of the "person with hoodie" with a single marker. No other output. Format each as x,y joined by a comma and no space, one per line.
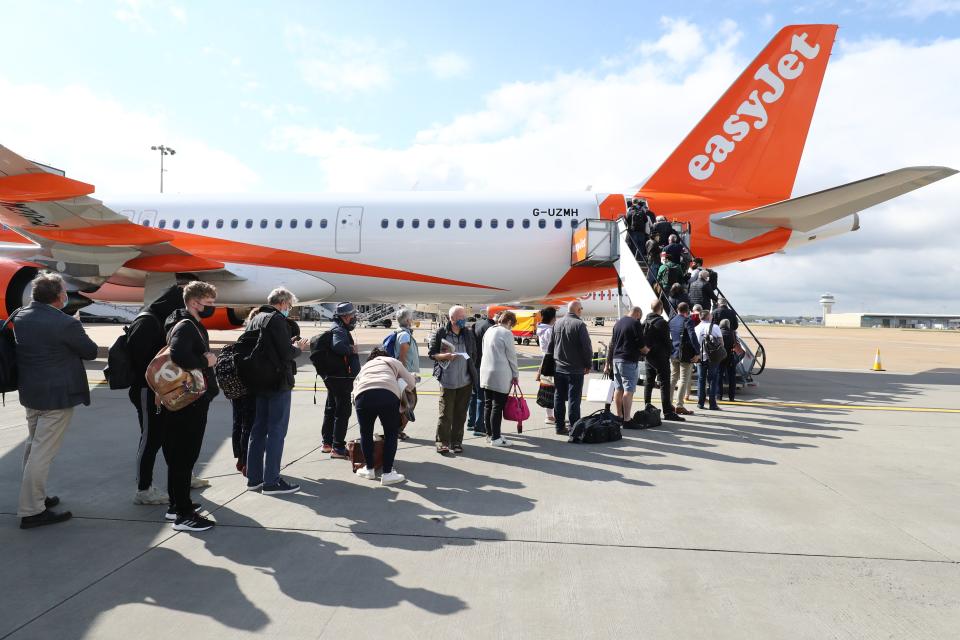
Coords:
183,430
548,316
145,338
272,415
339,383
660,345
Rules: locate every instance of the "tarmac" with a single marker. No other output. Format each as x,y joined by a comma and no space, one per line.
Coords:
822,504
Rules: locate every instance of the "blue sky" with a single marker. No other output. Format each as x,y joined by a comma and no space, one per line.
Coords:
324,96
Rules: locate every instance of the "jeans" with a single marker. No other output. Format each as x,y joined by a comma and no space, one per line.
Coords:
151,434
708,383
453,413
267,436
383,404
653,369
728,376
493,404
337,412
184,431
475,410
568,387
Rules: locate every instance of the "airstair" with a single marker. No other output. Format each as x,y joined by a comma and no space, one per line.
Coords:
377,314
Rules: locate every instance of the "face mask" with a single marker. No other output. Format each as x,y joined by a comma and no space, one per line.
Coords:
206,311
462,323
285,313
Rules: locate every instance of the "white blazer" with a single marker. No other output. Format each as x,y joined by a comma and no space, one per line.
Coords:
498,366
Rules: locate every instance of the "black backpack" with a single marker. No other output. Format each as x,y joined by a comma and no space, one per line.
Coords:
119,372
713,350
324,360
258,366
646,419
599,426
8,357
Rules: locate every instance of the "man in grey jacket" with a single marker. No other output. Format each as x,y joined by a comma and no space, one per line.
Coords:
51,347
572,354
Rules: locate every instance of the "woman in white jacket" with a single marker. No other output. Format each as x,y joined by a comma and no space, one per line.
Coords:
498,374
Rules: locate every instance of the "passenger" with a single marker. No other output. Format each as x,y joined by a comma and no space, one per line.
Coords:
184,429
675,250
456,374
548,316
653,259
702,292
475,411
498,373
572,355
728,368
663,230
693,274
623,360
377,390
669,274
269,432
244,413
636,223
678,295
686,351
339,383
695,314
145,338
408,353
51,347
724,312
708,381
657,340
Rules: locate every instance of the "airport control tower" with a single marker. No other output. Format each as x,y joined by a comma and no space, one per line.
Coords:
826,301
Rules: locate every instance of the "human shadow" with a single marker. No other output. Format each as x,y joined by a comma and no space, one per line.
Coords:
846,387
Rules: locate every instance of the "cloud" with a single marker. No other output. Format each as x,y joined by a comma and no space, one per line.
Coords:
923,9
97,140
340,65
135,13
885,104
448,65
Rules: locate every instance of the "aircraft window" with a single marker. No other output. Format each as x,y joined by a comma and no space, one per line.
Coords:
399,223
163,224
478,223
278,223
205,224
219,224
462,223
574,224
510,223
558,224
384,223
323,223
263,223
145,223
308,223
176,224
431,223
493,223
542,223
190,224
446,223
526,223
248,224
415,223
293,223
234,223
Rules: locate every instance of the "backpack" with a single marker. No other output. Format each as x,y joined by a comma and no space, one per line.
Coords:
599,426
119,372
390,344
324,360
8,357
258,367
227,369
646,419
713,350
669,276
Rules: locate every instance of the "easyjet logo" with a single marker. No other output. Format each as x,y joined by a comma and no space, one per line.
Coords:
752,111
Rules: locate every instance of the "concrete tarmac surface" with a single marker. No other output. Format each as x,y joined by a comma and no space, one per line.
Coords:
825,505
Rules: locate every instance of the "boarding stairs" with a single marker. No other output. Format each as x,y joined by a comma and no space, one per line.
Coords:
377,314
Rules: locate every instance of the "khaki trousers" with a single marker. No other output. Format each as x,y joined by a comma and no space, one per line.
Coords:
453,414
45,435
681,372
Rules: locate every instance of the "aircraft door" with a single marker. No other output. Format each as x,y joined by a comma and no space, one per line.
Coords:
348,229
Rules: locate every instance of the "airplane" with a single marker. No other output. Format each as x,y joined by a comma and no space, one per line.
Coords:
730,179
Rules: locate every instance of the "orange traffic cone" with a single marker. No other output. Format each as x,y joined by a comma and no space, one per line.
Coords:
876,362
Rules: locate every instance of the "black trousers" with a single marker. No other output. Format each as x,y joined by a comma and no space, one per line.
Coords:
493,403
244,413
181,447
385,405
656,368
337,412
151,434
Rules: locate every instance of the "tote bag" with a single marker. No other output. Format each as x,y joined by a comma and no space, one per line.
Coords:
516,408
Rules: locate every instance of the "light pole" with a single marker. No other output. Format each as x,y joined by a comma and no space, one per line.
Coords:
164,151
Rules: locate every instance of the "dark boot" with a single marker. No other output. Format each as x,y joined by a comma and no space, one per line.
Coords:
43,518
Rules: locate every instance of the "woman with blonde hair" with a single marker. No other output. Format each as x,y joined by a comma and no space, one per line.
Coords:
498,373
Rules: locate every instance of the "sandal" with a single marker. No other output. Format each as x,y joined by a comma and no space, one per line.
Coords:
442,448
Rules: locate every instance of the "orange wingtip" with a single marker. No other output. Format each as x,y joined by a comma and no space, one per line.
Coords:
41,187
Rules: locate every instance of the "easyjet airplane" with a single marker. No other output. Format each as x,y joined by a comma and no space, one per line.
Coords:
731,179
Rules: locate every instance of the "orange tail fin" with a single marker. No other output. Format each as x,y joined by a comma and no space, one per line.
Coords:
748,146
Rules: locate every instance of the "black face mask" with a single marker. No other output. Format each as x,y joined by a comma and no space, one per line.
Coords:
207,311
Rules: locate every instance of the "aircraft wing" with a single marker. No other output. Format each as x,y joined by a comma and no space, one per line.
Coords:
813,211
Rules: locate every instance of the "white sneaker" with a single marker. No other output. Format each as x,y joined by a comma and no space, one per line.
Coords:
199,483
392,477
151,496
367,474
500,442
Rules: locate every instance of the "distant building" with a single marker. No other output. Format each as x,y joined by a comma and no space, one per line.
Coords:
892,320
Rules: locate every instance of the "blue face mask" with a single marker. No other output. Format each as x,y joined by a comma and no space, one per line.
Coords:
462,323
285,313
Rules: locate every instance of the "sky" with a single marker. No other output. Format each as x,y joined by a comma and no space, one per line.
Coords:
495,96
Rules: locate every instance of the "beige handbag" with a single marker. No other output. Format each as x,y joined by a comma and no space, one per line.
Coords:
174,386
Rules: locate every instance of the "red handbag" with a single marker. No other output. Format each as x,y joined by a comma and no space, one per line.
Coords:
516,408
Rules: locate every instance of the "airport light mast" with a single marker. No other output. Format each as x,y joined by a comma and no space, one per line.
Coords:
164,151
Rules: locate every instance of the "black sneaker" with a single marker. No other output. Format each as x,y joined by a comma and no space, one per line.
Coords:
563,431
171,513
280,488
43,518
194,522
714,407
674,417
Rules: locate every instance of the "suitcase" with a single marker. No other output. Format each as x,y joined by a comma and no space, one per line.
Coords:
355,453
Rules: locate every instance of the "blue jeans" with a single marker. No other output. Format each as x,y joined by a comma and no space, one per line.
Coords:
567,386
475,418
708,383
267,436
